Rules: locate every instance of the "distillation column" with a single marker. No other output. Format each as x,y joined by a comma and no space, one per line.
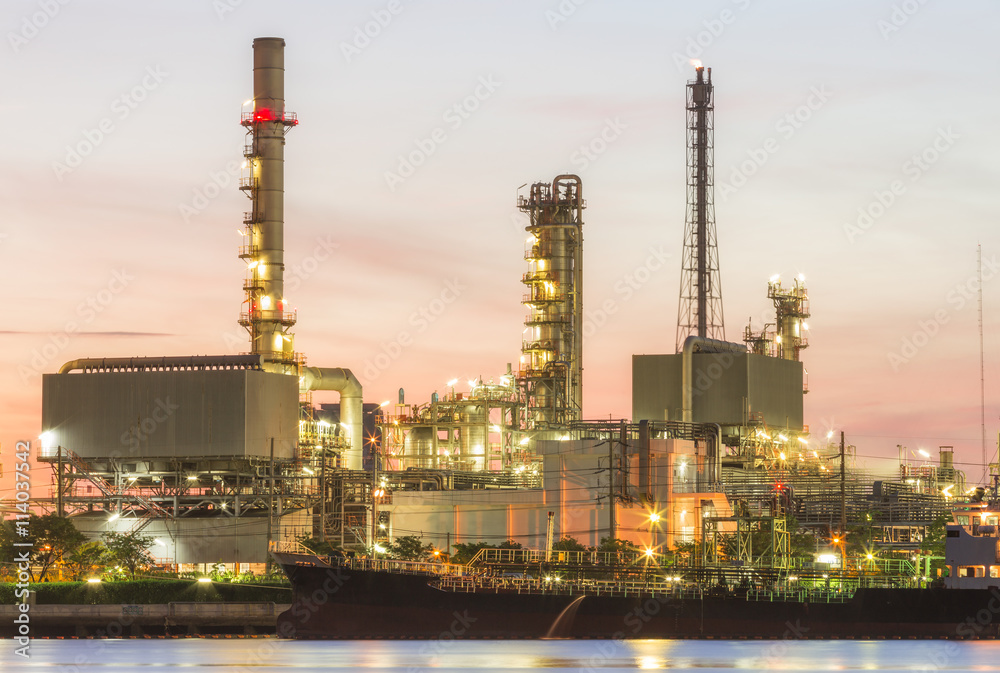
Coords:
551,374
266,315
791,307
699,311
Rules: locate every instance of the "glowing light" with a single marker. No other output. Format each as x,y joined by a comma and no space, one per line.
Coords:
775,278
803,440
204,580
945,490
323,424
253,264
48,439
782,455
827,558
923,453
524,440
94,580
247,102
783,437
160,542
805,325
829,434
383,405
307,470
649,553
113,517
802,277
696,62
452,382
869,557
495,428
473,383
192,477
777,338
379,549
654,517
265,301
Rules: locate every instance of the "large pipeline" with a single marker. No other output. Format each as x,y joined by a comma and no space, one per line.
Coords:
167,363
351,407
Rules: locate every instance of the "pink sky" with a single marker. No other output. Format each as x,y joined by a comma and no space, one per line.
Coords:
884,87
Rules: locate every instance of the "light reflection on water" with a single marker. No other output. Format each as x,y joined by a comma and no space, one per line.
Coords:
265,655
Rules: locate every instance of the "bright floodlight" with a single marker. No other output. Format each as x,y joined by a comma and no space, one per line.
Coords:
204,580
923,453
452,382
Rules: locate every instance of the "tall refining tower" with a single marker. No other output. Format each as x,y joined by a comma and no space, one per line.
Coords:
551,373
699,311
265,312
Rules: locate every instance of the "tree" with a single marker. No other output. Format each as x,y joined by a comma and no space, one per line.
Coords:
568,543
617,545
466,551
53,537
510,544
86,558
129,550
410,548
321,547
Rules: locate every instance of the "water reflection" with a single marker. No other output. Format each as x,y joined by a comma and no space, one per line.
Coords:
267,655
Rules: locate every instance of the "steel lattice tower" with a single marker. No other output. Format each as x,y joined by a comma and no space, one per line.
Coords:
699,311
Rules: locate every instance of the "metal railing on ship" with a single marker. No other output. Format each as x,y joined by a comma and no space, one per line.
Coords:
377,564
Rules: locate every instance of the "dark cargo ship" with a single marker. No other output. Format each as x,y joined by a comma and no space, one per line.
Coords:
529,594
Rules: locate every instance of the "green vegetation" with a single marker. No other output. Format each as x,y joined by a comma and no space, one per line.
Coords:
410,548
147,592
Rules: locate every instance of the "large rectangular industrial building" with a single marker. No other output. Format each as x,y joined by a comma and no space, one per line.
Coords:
726,388
198,413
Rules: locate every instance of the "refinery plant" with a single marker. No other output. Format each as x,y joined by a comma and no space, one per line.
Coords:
218,456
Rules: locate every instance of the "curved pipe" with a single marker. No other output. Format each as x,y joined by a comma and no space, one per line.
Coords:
351,407
696,344
165,363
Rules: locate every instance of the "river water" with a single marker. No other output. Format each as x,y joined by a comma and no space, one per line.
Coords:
263,655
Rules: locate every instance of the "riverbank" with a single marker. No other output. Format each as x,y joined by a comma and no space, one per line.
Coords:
140,620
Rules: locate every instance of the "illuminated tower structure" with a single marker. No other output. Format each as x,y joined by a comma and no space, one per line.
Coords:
551,374
265,312
791,307
699,311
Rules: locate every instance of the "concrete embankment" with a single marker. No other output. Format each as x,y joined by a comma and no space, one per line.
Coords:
115,621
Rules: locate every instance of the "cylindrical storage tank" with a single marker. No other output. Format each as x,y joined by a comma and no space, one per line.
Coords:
474,436
418,447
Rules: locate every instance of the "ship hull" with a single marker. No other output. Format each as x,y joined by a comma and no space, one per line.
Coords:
341,602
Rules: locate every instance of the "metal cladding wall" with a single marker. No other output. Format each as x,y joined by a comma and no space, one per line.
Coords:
207,539
168,414
721,384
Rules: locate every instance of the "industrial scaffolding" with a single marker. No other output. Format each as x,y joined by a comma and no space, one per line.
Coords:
551,373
